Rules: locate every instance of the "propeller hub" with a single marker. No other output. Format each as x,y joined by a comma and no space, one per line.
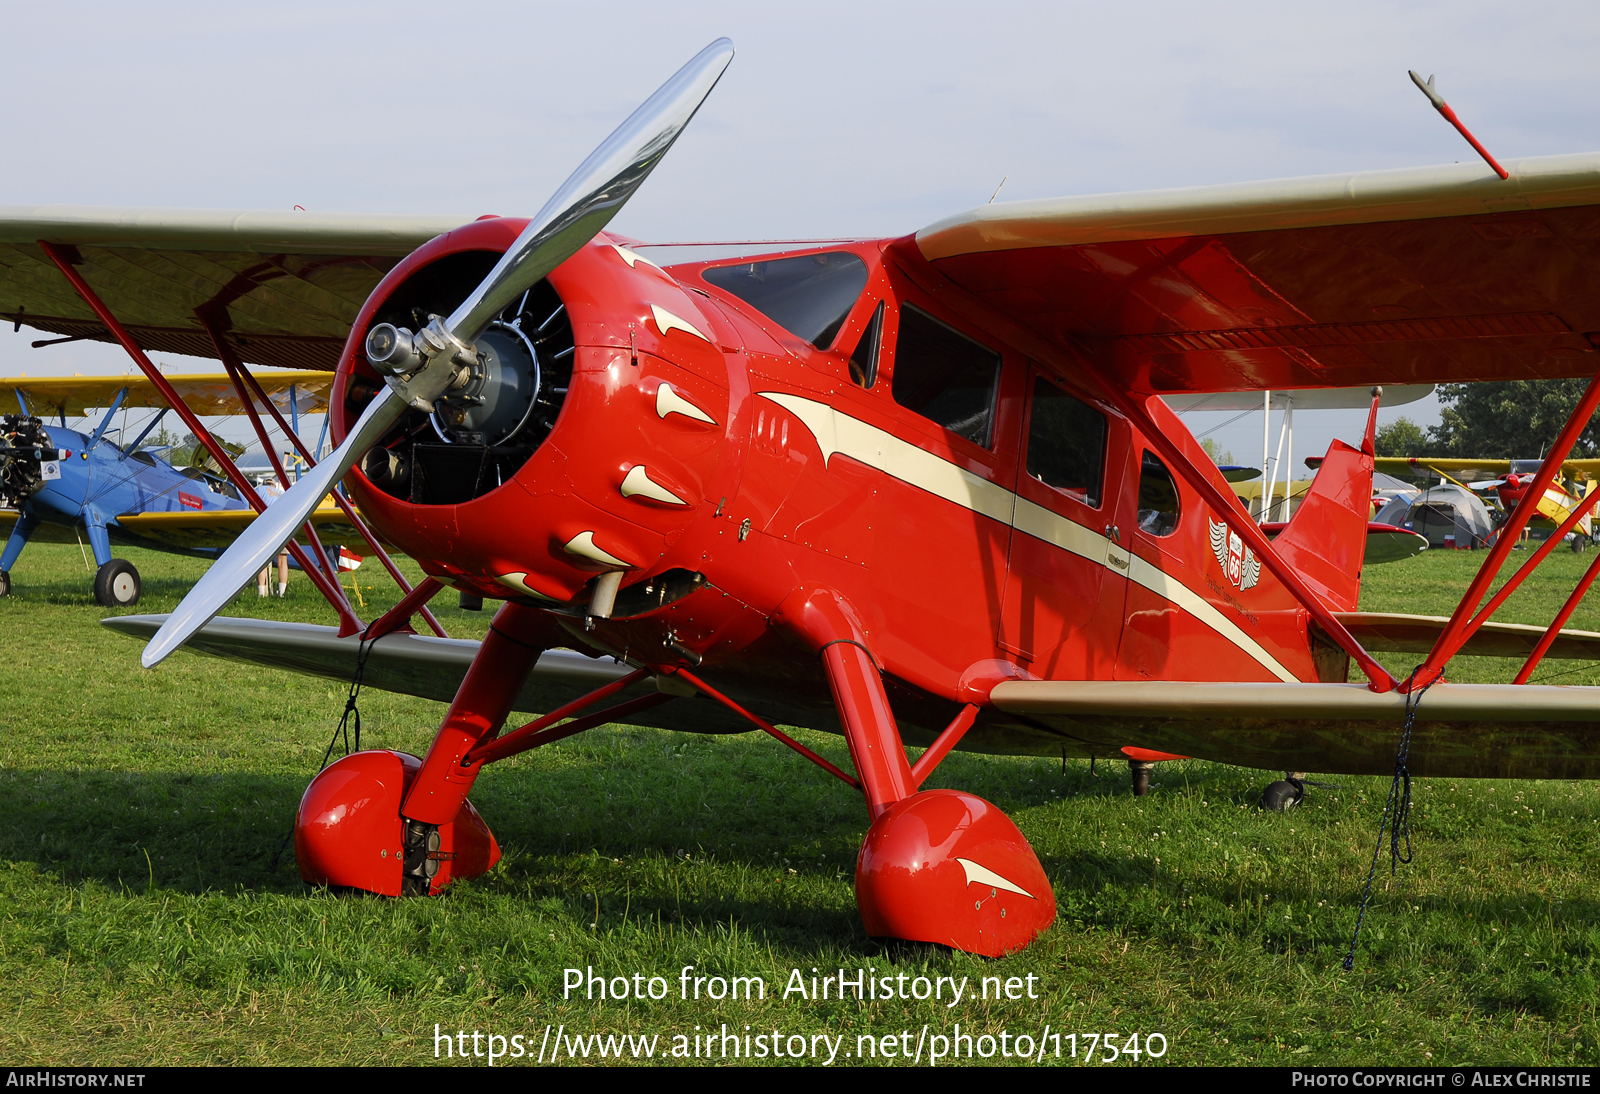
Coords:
423,366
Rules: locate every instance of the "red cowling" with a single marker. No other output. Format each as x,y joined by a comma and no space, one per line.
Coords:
947,867
1512,489
349,832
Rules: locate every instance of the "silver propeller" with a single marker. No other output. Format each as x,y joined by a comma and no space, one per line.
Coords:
419,367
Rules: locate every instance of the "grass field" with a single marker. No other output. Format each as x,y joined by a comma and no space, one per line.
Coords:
143,921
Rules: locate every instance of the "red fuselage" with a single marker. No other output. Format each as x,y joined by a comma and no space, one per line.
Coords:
723,462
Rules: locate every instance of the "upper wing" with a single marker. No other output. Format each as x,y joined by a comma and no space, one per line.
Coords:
204,394
1392,277
1406,464
283,287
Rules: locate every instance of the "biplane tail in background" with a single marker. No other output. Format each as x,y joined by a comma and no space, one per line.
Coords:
917,491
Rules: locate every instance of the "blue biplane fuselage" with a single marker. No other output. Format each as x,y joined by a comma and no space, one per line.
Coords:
94,483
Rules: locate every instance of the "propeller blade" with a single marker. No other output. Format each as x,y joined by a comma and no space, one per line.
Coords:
594,192
583,205
270,531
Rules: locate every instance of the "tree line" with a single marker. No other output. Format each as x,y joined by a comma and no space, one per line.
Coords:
1511,419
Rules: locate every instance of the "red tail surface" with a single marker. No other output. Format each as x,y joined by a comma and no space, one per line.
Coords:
1326,539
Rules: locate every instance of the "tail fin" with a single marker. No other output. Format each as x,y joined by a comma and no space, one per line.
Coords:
1326,539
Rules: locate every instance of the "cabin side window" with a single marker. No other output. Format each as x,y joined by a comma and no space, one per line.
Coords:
945,376
864,359
1158,497
1066,442
810,296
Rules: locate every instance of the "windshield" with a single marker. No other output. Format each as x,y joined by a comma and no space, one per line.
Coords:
809,296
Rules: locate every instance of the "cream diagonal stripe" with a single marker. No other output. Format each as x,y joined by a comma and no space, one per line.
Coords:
1170,588
836,432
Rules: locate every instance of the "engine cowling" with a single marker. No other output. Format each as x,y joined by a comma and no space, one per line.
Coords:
583,441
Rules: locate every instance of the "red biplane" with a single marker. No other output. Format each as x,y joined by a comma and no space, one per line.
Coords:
922,490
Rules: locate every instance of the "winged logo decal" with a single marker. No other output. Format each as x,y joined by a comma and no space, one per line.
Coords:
1238,562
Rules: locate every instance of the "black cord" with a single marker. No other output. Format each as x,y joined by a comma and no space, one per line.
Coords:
363,648
1396,812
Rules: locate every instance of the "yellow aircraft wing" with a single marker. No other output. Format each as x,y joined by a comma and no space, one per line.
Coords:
205,393
219,528
1556,505
189,530
1405,464
45,533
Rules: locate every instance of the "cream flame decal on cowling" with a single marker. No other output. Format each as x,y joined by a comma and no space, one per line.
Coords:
668,401
638,483
982,875
666,321
839,434
633,258
517,583
583,546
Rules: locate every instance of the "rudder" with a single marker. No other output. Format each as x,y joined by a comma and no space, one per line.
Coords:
1326,539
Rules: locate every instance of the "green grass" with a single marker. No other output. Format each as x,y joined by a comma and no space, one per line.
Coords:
142,920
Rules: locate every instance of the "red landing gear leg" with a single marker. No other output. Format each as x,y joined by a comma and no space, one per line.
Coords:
392,824
936,866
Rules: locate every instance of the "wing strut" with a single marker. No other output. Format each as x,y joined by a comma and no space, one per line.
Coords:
760,723
1463,624
1554,630
315,541
920,269
240,374
331,590
1248,530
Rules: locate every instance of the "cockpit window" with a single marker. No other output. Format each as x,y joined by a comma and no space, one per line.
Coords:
809,296
942,374
1158,497
143,457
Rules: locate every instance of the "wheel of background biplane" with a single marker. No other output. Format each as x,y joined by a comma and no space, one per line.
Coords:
1281,796
5,582
116,584
1578,544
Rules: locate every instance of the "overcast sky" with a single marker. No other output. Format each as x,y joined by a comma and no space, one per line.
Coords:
834,119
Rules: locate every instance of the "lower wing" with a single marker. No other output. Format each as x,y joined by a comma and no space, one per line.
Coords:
424,666
1466,730
220,527
1496,731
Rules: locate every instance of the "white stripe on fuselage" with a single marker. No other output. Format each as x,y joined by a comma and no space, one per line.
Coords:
836,432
